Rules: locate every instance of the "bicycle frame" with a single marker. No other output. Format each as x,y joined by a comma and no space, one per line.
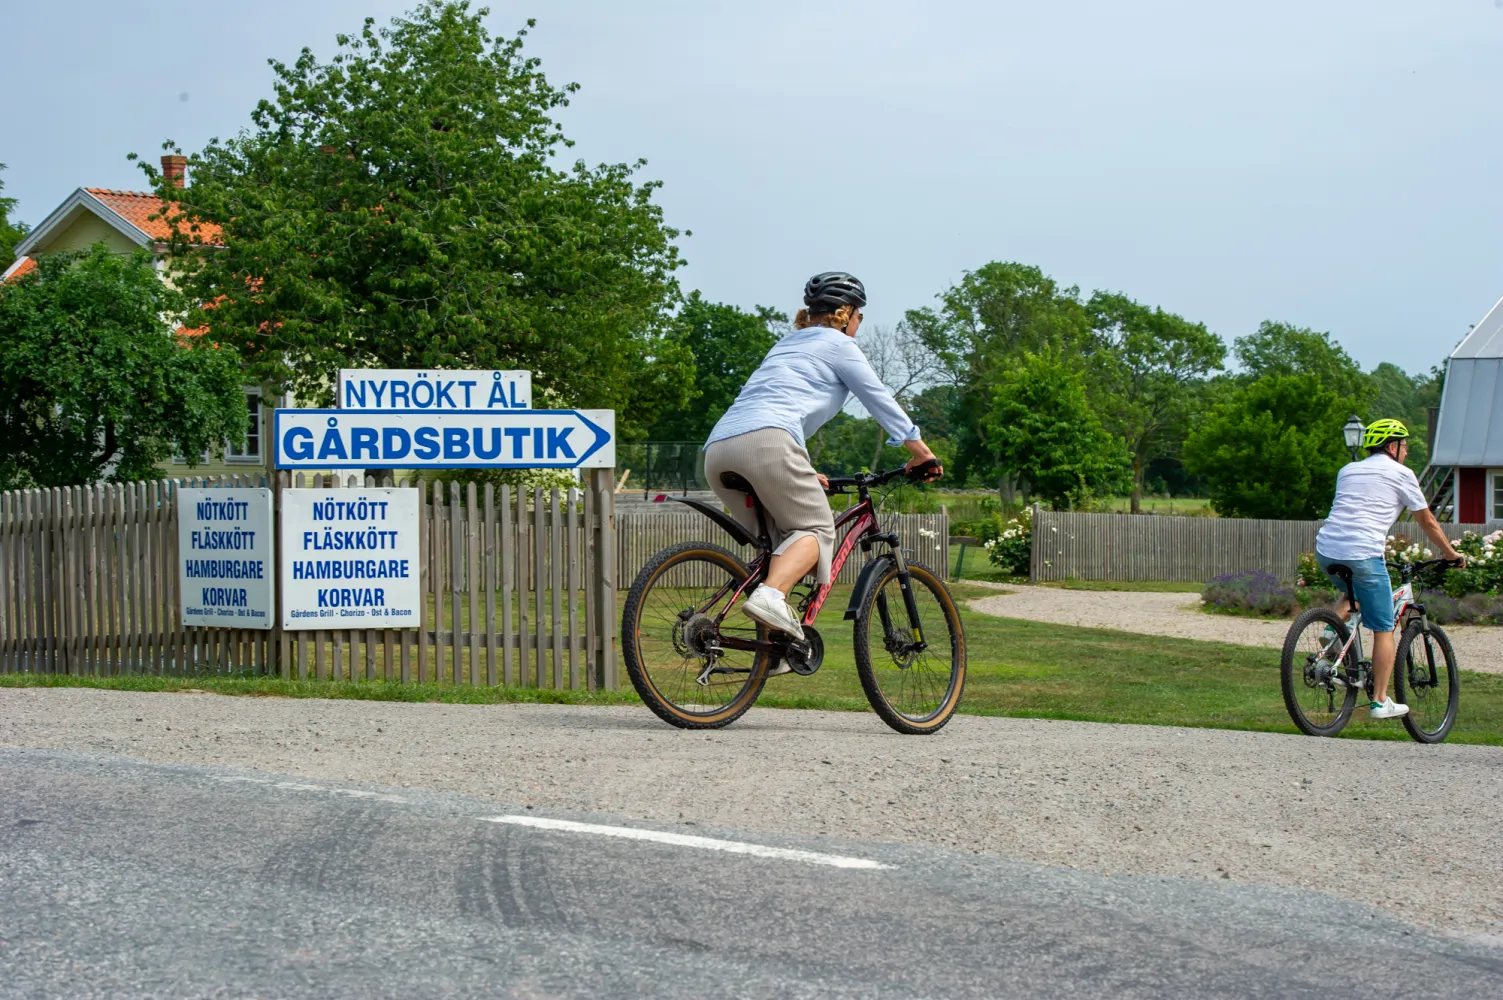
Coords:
862,520
1403,602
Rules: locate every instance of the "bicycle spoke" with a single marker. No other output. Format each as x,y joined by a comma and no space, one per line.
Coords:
915,683
674,644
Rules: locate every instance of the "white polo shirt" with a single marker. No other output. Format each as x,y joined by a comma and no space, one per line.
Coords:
1370,495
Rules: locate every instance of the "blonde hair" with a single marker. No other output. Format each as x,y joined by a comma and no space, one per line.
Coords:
837,320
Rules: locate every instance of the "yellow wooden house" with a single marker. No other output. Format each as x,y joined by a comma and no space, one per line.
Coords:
122,220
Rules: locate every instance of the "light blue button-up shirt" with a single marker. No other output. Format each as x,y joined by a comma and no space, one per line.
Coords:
804,381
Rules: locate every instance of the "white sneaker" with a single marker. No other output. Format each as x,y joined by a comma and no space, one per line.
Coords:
1388,709
770,607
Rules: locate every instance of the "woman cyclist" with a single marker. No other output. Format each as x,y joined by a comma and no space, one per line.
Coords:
801,384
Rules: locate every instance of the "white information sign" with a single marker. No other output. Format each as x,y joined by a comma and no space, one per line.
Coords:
350,558
426,391
226,557
465,439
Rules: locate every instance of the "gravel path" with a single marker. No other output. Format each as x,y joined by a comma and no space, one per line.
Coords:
1251,807
1478,647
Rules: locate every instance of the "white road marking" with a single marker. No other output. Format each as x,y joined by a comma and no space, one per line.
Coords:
686,840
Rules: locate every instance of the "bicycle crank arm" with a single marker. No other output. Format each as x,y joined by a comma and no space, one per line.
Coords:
756,646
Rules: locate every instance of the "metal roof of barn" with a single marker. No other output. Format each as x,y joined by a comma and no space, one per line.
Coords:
1470,430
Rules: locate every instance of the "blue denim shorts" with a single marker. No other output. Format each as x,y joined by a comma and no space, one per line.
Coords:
1371,584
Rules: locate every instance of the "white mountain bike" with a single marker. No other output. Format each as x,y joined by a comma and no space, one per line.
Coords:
1323,667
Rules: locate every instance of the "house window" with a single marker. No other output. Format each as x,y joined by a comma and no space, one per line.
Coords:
250,449
1497,495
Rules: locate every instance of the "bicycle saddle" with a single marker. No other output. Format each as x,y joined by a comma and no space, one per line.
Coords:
1340,571
736,481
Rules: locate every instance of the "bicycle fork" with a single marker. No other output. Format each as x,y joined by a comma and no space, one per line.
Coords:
910,605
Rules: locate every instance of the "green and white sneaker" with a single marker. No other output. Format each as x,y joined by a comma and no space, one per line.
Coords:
1386,709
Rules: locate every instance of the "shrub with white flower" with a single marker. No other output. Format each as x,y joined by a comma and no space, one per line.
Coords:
1484,570
1010,546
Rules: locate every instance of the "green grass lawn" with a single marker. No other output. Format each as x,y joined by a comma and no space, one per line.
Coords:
1016,668
978,567
1191,506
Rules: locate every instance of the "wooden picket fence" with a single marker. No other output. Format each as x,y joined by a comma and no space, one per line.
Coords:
519,588
1186,549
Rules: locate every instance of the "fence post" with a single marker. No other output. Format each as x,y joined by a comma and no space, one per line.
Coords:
1035,552
603,660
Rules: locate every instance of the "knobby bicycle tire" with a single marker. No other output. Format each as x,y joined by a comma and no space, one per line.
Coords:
1293,681
637,667
1405,690
953,642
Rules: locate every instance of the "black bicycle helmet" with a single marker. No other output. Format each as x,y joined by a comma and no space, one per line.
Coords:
829,291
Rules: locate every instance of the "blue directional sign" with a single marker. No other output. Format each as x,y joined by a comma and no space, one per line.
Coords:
448,439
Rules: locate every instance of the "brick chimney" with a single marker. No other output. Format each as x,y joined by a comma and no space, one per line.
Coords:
175,169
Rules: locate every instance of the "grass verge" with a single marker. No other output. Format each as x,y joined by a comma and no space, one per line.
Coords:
1016,668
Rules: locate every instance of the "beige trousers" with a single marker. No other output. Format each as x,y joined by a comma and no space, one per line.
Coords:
779,470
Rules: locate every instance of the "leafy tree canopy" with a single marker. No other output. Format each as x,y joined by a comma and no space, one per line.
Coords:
1281,349
1045,433
1150,365
398,206
726,344
11,233
1272,449
95,381
980,328
1406,397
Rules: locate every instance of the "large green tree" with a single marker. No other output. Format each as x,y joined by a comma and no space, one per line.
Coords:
726,344
96,383
1151,365
11,233
979,330
399,205
1408,398
1272,448
1045,433
1282,349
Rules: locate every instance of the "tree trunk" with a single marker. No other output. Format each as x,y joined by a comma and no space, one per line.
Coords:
1137,484
1007,489
877,454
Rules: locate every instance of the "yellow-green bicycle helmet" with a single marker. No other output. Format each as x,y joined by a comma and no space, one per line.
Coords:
1379,432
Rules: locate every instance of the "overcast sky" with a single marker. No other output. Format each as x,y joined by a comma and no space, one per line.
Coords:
1331,163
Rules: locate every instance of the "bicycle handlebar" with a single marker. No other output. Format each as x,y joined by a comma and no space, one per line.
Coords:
1410,570
868,479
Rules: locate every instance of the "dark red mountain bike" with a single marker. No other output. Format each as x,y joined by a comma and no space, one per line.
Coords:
698,665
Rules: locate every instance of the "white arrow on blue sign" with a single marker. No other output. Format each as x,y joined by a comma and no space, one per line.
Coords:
403,439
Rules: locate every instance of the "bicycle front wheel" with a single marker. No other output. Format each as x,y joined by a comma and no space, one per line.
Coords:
914,687
669,638
1317,680
1425,679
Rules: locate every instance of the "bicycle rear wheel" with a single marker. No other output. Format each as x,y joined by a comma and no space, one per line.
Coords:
1316,686
666,626
915,691
1425,679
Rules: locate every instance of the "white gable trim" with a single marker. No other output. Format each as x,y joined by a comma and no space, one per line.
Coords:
1486,338
13,268
64,214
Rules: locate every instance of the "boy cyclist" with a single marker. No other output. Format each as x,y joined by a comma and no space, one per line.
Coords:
1370,495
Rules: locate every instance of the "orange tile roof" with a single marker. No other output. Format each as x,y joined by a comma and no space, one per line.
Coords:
27,266
136,207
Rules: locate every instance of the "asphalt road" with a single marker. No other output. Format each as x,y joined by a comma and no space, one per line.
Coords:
120,878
